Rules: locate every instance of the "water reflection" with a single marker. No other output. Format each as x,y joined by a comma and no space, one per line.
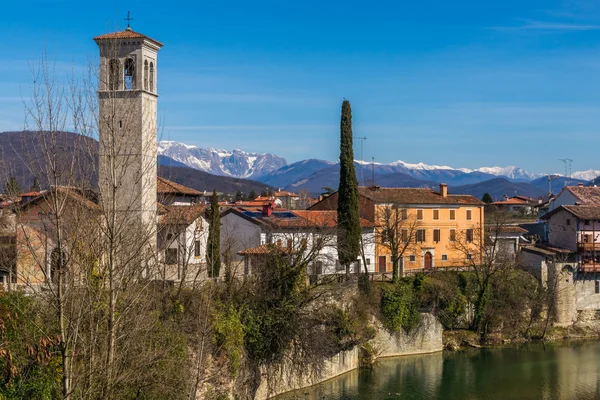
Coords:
534,371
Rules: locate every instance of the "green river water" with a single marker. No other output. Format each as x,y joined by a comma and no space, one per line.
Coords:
534,371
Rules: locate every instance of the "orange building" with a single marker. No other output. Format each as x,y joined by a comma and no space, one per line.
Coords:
430,229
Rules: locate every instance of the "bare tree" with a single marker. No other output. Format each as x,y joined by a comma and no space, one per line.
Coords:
397,229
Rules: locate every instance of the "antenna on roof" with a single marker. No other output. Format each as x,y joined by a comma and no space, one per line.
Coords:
373,170
362,173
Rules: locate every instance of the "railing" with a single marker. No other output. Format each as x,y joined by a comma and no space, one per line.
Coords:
589,246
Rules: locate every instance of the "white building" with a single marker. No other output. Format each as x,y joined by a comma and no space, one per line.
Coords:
246,234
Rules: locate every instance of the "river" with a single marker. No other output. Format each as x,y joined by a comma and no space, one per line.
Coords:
533,371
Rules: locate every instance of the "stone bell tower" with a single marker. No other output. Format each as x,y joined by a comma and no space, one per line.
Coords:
127,134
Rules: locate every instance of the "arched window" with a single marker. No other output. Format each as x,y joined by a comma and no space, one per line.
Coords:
146,75
129,74
151,76
114,67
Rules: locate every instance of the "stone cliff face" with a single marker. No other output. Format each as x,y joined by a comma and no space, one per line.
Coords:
426,338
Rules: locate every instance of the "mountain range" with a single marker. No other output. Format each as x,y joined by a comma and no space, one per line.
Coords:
228,171
21,157
313,175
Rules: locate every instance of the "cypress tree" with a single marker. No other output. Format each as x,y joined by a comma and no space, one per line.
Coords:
35,186
239,196
487,199
213,245
348,229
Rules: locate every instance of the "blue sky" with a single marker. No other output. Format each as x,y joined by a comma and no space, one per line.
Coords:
460,83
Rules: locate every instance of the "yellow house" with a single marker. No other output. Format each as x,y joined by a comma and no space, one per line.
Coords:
429,228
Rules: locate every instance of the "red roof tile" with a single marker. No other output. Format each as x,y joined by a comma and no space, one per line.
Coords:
126,34
415,196
165,186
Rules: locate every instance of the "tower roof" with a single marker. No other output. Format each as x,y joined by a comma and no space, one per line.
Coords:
126,34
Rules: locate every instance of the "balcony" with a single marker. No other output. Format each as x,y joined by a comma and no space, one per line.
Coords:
589,267
588,246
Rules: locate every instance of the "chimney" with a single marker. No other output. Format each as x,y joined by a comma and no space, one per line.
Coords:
267,210
505,197
443,190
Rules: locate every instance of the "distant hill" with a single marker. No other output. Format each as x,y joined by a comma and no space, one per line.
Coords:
556,184
292,173
22,156
497,188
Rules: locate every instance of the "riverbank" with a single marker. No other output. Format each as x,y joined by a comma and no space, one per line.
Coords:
530,371
458,339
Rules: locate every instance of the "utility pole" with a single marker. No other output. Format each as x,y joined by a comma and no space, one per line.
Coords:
567,162
362,172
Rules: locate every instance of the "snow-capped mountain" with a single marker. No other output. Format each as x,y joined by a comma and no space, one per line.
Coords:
586,175
510,172
235,163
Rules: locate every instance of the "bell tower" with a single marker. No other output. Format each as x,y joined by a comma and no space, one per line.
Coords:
127,134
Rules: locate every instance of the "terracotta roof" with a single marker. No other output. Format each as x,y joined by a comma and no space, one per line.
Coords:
513,201
255,203
126,34
284,193
182,215
507,229
415,196
588,195
30,194
581,212
72,193
165,186
294,219
263,249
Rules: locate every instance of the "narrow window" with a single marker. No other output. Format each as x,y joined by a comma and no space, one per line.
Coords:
197,251
368,261
420,235
436,235
114,67
170,256
469,235
289,243
151,77
412,258
404,213
436,214
405,235
444,257
452,215
419,214
586,222
303,244
129,74
468,256
146,75
453,235
469,215
568,221
120,124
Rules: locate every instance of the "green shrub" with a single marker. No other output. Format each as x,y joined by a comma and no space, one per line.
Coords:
399,307
228,336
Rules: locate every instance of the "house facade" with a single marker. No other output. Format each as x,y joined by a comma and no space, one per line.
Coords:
246,232
435,229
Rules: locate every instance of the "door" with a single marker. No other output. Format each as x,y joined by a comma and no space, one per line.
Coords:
428,261
382,264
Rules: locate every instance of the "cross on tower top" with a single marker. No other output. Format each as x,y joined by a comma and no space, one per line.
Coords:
128,19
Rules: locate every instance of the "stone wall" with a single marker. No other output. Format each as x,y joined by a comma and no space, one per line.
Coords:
426,338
